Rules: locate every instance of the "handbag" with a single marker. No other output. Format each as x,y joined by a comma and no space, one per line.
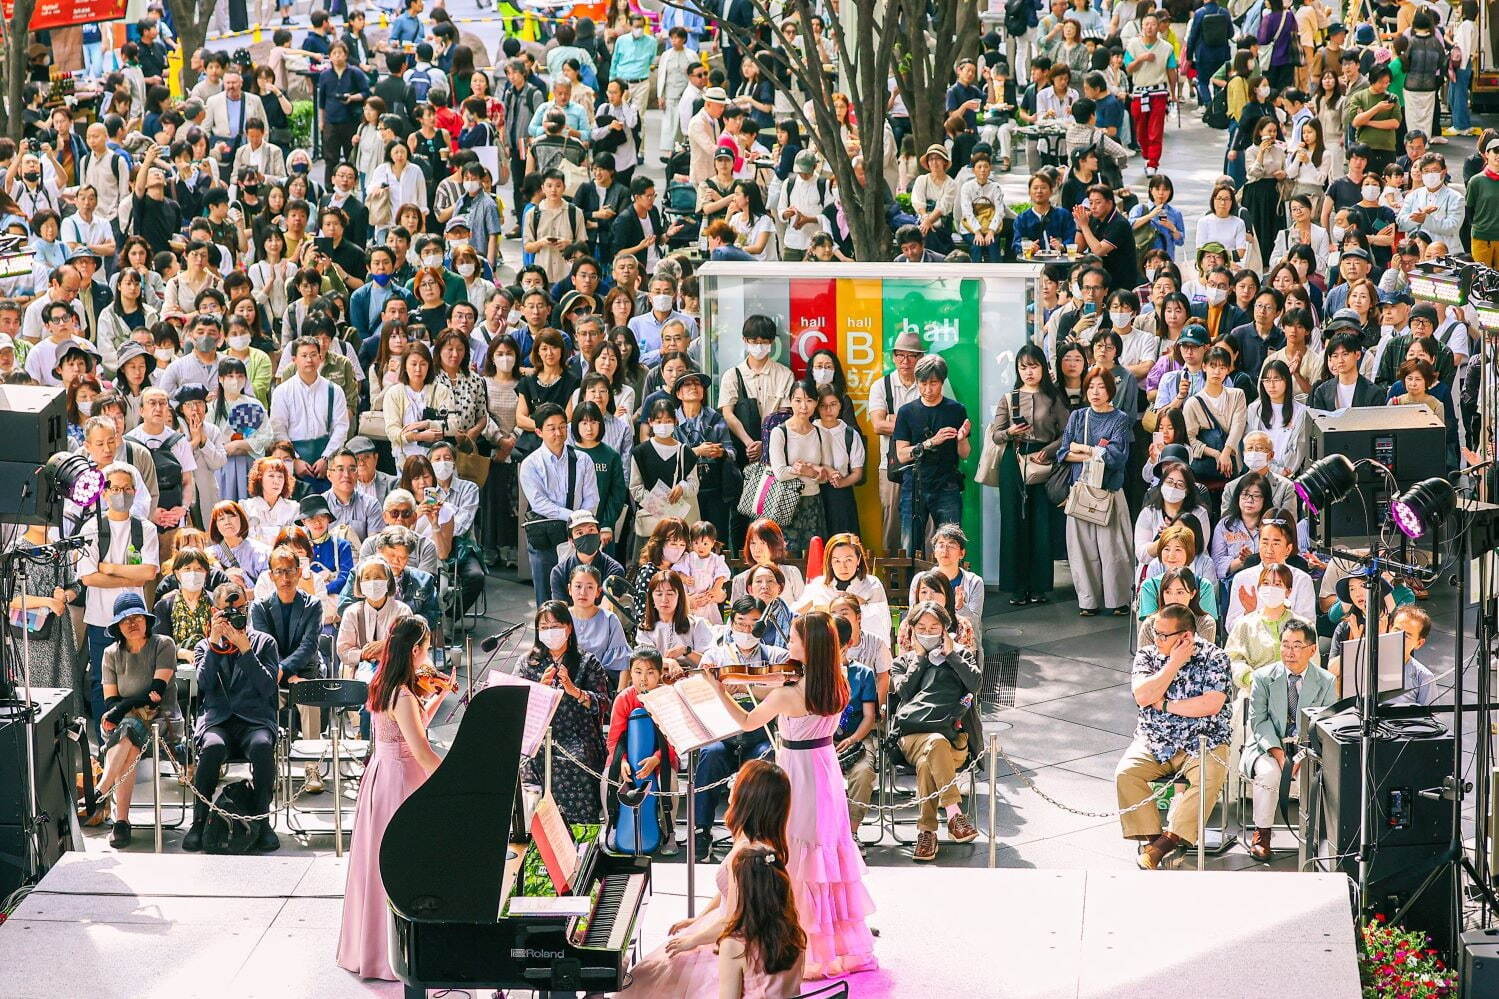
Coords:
547,533
574,175
1088,500
1297,56
1059,483
1033,472
470,464
747,412
765,496
1213,436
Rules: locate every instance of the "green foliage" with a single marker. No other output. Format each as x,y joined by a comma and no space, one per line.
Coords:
535,882
301,122
1396,963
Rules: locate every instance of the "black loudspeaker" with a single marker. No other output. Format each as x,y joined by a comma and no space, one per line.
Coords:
1410,441
1479,963
1412,833
54,785
33,423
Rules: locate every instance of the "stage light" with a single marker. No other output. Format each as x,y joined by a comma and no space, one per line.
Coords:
1326,482
1423,507
75,477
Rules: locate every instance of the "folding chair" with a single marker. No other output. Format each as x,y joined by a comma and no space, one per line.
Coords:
336,696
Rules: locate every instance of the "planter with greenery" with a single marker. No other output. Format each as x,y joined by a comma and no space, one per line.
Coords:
301,124
1396,963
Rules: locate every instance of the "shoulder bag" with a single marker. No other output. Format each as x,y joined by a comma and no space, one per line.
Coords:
1213,436
1088,500
747,412
544,533
765,496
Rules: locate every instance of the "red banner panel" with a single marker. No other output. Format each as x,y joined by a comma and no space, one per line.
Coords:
813,308
63,13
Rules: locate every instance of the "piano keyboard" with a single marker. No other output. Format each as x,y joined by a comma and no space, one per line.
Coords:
618,893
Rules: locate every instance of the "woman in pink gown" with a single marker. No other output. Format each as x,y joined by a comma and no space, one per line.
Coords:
763,950
824,862
686,966
401,762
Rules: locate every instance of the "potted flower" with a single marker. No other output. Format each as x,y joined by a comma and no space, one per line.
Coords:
1397,963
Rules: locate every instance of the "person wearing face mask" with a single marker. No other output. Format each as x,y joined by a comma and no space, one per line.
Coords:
1433,207
587,550
120,556
1254,639
183,614
1261,458
1279,540
663,309
1279,691
578,724
663,474
332,553
934,717
201,366
366,624
367,303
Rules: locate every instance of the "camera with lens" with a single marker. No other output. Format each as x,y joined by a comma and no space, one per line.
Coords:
235,617
34,145
445,419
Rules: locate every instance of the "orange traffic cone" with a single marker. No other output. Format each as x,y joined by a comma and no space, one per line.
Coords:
814,558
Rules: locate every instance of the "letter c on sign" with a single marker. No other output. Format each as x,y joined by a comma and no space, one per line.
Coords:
810,341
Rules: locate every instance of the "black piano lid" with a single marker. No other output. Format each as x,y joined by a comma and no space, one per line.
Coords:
443,854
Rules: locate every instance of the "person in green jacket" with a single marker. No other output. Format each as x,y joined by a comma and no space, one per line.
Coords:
1483,203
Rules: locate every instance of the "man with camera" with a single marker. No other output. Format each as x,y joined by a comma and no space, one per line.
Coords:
237,681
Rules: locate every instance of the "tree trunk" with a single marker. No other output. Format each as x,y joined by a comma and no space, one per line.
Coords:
191,26
932,38
16,42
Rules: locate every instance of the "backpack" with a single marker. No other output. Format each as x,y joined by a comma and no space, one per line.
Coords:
231,836
1215,30
137,542
1018,15
168,470
420,82
1216,115
1424,60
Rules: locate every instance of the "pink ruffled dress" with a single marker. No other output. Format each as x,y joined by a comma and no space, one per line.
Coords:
690,975
825,865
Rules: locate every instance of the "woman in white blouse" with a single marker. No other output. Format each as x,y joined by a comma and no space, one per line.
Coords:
1301,230
765,544
934,195
846,570
434,517
843,445
408,431
270,506
798,452
667,626
752,223
404,178
1286,421
368,619
181,291
1222,224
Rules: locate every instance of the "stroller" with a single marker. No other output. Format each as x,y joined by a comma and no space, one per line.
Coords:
680,201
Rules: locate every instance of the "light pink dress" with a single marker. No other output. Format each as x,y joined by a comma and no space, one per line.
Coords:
825,865
393,773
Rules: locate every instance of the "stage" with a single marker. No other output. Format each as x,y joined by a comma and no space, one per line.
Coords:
124,925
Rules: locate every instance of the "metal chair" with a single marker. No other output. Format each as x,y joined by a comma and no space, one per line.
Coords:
336,696
833,990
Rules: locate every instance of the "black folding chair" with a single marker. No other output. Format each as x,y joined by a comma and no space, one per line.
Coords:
336,696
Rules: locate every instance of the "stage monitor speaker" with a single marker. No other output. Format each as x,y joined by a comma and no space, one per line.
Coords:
26,495
33,424
1479,963
54,785
1411,441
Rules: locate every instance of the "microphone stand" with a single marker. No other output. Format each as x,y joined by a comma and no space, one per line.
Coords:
498,639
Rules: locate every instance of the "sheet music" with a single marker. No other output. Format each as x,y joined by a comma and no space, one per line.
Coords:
560,906
554,840
690,713
541,705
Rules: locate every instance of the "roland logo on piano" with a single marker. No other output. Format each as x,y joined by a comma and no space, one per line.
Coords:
532,953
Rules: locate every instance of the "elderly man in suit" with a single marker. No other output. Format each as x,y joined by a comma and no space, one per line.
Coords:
227,114
702,133
294,620
1277,694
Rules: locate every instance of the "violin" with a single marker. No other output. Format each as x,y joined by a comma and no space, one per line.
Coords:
763,674
431,683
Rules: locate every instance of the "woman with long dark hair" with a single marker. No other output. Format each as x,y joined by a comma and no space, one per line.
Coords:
578,725
686,965
1279,414
402,760
1027,422
763,948
824,862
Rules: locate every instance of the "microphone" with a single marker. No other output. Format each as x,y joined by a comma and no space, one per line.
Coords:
493,641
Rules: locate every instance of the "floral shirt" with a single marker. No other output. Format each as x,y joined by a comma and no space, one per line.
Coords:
1165,734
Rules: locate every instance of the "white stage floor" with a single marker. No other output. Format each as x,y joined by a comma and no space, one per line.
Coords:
121,925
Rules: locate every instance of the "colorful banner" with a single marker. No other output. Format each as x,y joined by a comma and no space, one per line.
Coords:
810,321
62,13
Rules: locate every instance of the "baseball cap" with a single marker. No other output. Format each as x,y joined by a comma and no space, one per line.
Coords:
581,517
1195,334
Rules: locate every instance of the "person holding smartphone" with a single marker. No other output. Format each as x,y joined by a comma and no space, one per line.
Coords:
1028,425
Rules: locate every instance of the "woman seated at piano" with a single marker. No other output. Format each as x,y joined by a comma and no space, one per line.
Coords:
578,725
688,964
667,626
402,760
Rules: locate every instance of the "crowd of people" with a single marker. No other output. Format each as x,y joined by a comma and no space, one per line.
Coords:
328,399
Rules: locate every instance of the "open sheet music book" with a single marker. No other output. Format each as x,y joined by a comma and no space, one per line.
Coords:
541,704
690,713
554,841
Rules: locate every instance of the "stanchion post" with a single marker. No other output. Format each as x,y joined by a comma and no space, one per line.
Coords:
155,783
1202,802
993,792
338,794
692,832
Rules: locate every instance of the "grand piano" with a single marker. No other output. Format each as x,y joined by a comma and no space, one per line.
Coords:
448,874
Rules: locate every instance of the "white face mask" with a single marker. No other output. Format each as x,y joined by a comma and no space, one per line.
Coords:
662,303
239,341
1270,596
431,259
374,589
1077,290
1120,320
553,638
745,639
1370,192
1431,181
85,407
467,270
1337,232
164,354
1262,93
472,186
822,376
929,642
1386,331
673,553
1255,460
443,470
192,582
504,362
232,386
663,430
1173,494
513,316
759,351
1216,296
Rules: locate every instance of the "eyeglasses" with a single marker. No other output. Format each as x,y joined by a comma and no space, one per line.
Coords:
1160,635
1295,646
283,573
403,512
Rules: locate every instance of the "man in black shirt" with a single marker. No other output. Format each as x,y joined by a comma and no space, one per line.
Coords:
931,437
348,258
155,217
966,96
1345,192
152,52
1101,229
